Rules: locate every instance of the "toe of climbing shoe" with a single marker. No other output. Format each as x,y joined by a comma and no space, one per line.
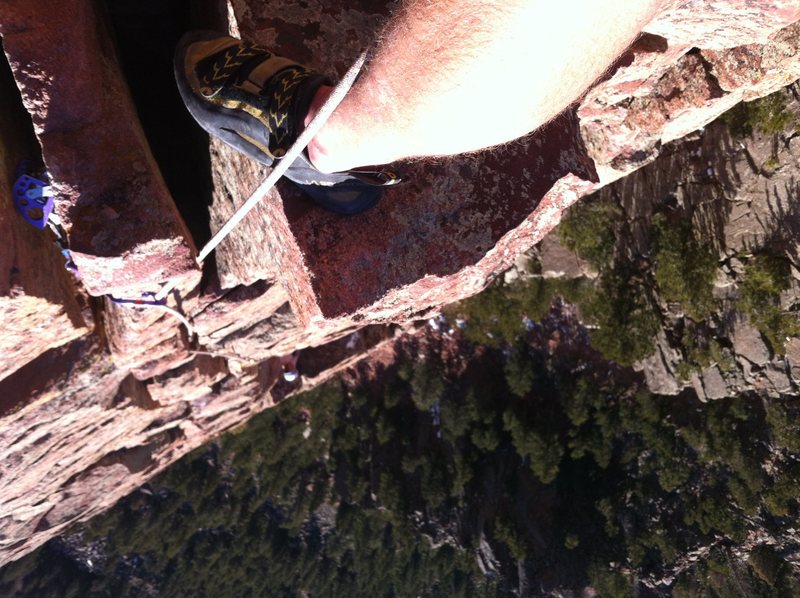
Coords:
244,94
256,102
350,193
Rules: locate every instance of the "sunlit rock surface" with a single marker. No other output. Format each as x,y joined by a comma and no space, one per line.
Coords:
40,306
735,186
91,415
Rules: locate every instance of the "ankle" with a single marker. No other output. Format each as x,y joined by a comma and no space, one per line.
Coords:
334,147
317,149
340,145
319,156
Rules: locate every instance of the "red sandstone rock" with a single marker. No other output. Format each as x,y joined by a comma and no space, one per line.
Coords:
755,70
98,424
70,454
458,224
38,304
40,307
245,256
124,231
102,438
719,24
249,323
148,342
658,93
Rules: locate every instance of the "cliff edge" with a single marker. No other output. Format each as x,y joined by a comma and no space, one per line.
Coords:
99,395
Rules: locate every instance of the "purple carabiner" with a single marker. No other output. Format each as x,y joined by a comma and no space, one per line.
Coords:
33,200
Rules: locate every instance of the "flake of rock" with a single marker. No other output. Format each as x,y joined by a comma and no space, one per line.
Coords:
123,228
747,343
335,267
249,322
714,384
147,340
245,256
724,287
558,261
658,375
793,358
697,384
789,298
40,306
189,381
674,93
778,379
793,147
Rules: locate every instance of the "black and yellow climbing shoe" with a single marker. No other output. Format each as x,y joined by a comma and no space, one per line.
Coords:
256,102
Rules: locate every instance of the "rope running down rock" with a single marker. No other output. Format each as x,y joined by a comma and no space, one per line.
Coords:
333,101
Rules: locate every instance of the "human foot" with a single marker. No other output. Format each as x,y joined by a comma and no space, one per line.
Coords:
257,103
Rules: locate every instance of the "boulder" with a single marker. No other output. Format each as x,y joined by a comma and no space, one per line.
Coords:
748,343
714,384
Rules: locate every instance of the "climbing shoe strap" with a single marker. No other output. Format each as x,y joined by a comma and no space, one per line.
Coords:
271,89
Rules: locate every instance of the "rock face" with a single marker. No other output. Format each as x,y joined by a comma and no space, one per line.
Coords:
738,192
123,228
39,305
120,392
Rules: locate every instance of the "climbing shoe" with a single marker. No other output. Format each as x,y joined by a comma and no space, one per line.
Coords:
256,102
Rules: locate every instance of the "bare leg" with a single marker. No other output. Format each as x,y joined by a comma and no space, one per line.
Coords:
452,76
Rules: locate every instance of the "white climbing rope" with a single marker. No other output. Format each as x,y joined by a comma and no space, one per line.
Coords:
337,95
158,300
155,305
333,101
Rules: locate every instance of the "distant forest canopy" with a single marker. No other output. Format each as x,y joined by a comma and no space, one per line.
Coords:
470,471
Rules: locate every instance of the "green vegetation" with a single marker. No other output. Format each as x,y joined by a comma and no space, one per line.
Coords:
426,386
766,563
621,311
496,315
565,466
625,319
617,305
768,115
701,350
590,230
684,268
722,575
765,276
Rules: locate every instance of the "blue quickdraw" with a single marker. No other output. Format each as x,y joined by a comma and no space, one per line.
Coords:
145,300
68,263
33,199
